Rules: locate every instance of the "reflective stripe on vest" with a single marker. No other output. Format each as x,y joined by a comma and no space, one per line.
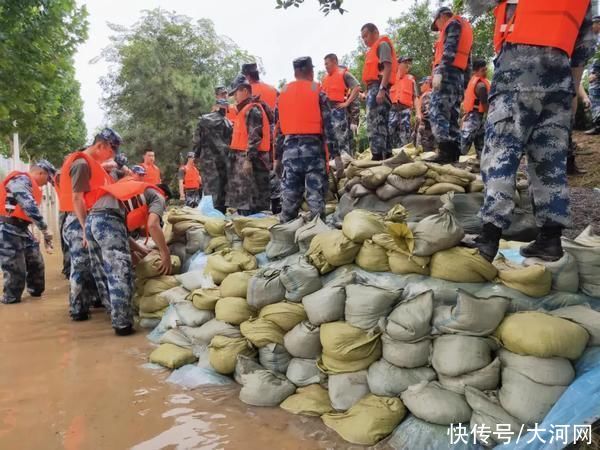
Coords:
371,69
267,93
403,91
334,85
9,206
239,139
471,100
465,43
300,108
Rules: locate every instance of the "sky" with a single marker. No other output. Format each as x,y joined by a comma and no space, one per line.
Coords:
276,36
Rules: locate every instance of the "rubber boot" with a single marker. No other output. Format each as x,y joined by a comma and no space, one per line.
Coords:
446,153
572,168
488,241
547,245
454,150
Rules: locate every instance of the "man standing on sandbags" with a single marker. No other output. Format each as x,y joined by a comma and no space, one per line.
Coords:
530,113
190,182
303,130
475,107
20,257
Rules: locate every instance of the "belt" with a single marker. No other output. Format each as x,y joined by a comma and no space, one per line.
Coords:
107,212
20,223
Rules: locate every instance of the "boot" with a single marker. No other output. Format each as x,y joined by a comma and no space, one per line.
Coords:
547,245
572,168
593,131
488,241
446,153
125,331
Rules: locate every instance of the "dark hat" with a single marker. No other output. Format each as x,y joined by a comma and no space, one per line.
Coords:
220,90
121,160
191,155
303,62
249,67
438,13
404,59
48,167
238,82
139,170
111,136
596,19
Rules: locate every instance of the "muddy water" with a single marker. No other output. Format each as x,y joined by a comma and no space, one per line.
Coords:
74,386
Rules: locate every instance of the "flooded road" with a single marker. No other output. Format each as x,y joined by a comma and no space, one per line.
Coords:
75,386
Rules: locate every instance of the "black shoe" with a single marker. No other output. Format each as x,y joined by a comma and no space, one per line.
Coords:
592,131
488,241
572,168
36,294
547,245
80,317
124,331
11,302
448,153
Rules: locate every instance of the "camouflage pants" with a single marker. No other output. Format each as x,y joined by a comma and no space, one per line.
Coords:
425,136
22,263
399,127
250,193
62,217
192,197
378,117
111,264
444,110
472,132
82,292
535,124
214,169
341,129
594,95
304,170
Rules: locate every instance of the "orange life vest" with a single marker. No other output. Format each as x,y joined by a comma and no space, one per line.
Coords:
239,139
471,101
300,109
403,91
371,70
8,204
191,177
465,43
98,177
231,113
334,85
152,173
541,23
266,92
131,196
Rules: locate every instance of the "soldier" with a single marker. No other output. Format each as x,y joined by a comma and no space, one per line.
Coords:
405,97
424,134
82,175
475,107
190,182
20,257
530,114
378,74
336,84
221,95
120,208
248,188
275,193
211,146
263,91
451,60
594,80
138,173
354,122
303,119
152,170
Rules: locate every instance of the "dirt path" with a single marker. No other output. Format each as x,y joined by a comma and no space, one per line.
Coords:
75,386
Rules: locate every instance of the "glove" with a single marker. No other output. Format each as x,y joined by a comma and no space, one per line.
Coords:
437,82
48,244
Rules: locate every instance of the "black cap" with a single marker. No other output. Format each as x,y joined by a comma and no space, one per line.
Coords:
248,68
220,90
238,82
111,136
303,62
596,19
404,59
121,160
438,13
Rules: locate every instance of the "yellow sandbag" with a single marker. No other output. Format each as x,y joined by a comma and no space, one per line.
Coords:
402,235
205,298
236,284
215,227
462,265
168,231
535,280
234,310
347,348
157,285
255,239
330,207
222,263
411,170
443,188
217,244
403,264
312,400
453,179
239,223
149,266
372,257
261,332
172,356
153,315
315,256
449,169
223,352
389,242
370,420
476,186
285,315
360,225
180,228
152,303
397,214
182,214
538,334
331,249
374,177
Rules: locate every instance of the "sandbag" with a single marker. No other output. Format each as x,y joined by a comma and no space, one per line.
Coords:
347,348
386,192
550,371
234,310
217,244
189,316
283,242
153,303
369,421
223,353
265,288
299,280
403,186
471,315
224,262
245,365
157,285
366,305
204,334
393,242
485,379
303,341
196,239
178,249
149,267
542,335
215,227
177,294
372,257
388,380
449,169
303,372
565,272
265,388
476,186
359,191
332,249
346,389
585,316
404,264
439,231
534,281
176,337
236,284
455,355
306,233
360,225
444,188
204,298
308,401
487,415
410,320
172,356
406,354
374,177
429,401
255,240
285,315
241,223
261,332
274,357
325,305
411,170
586,251
462,265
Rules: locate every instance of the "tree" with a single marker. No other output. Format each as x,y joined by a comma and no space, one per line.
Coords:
324,5
166,68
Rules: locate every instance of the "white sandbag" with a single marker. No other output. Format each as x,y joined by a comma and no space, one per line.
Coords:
325,305
485,379
550,371
176,337
204,334
303,372
586,251
585,316
366,305
410,320
565,272
390,381
429,401
300,279
455,355
471,315
305,234
177,294
245,365
274,357
196,239
406,354
195,279
346,389
283,242
265,288
303,341
189,316
265,388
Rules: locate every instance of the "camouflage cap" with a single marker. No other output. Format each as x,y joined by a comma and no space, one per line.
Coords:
222,103
404,59
111,136
237,83
47,166
425,80
438,13
220,90
303,62
139,170
191,155
121,160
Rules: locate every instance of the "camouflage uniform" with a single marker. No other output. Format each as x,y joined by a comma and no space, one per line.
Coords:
400,131
353,119
472,132
530,114
275,193
211,145
63,245
378,117
594,91
425,136
192,197
20,257
341,128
